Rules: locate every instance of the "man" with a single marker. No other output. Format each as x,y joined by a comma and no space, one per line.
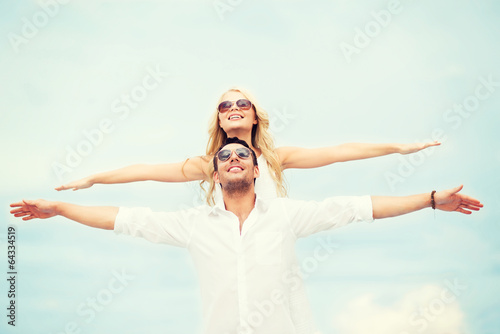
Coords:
243,248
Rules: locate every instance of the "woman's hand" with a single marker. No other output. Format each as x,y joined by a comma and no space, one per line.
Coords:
84,183
415,147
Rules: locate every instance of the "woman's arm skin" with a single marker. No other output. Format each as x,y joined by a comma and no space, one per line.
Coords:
446,200
297,157
194,169
94,216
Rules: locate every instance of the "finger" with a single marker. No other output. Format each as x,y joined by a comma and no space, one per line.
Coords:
63,187
21,214
13,205
456,189
28,218
469,199
29,202
435,143
469,207
477,204
463,211
474,207
17,210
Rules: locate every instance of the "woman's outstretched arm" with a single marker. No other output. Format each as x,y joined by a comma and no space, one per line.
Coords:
297,157
192,169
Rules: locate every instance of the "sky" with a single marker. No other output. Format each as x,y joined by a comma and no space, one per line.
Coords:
90,86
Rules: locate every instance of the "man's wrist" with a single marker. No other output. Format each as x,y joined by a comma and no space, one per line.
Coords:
427,200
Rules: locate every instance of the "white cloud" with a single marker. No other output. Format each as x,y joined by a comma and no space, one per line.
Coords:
428,310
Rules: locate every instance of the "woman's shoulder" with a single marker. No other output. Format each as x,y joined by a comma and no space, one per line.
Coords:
197,168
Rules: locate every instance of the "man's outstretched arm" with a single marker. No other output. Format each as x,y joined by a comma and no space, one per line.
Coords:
93,216
446,200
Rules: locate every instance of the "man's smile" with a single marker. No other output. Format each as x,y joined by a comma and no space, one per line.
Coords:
235,169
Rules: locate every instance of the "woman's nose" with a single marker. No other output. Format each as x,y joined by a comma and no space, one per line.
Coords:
235,106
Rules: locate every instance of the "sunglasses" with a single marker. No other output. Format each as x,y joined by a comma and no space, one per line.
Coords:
243,104
242,152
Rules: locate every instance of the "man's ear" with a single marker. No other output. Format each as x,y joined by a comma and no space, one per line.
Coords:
216,177
256,172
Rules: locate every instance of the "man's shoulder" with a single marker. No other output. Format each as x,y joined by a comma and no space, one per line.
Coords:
200,209
181,209
330,200
276,203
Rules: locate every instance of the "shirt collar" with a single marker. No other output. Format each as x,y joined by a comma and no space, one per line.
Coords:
218,207
260,204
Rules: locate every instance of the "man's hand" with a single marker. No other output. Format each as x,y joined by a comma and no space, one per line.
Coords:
29,209
84,183
93,216
451,200
415,147
446,200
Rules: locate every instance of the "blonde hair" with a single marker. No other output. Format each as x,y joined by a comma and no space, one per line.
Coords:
261,139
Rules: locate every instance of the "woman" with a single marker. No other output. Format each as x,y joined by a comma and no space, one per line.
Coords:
239,115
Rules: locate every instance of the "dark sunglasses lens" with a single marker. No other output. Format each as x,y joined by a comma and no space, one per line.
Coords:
224,106
224,155
243,153
244,104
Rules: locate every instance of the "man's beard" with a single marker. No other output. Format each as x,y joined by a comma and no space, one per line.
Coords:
237,187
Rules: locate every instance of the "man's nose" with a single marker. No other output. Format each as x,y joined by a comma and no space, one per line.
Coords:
234,156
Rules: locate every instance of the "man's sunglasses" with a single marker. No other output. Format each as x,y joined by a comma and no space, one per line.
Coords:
243,104
242,152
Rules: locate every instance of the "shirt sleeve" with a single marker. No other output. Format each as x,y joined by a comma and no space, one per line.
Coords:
309,217
173,228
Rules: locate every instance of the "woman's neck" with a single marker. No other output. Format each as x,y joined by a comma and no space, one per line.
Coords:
247,137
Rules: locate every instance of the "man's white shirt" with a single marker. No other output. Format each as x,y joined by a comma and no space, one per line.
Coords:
247,279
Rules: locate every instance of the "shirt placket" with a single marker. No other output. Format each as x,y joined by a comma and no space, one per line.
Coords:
241,275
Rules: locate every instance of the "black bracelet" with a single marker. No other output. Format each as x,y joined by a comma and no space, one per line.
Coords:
433,202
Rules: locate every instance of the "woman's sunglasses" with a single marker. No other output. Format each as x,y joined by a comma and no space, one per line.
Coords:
243,104
242,152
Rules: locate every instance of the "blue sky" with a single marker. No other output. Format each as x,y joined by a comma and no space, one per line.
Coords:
327,73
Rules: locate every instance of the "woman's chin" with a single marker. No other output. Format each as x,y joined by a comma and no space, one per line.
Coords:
237,129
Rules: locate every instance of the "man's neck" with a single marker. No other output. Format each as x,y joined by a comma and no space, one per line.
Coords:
241,204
